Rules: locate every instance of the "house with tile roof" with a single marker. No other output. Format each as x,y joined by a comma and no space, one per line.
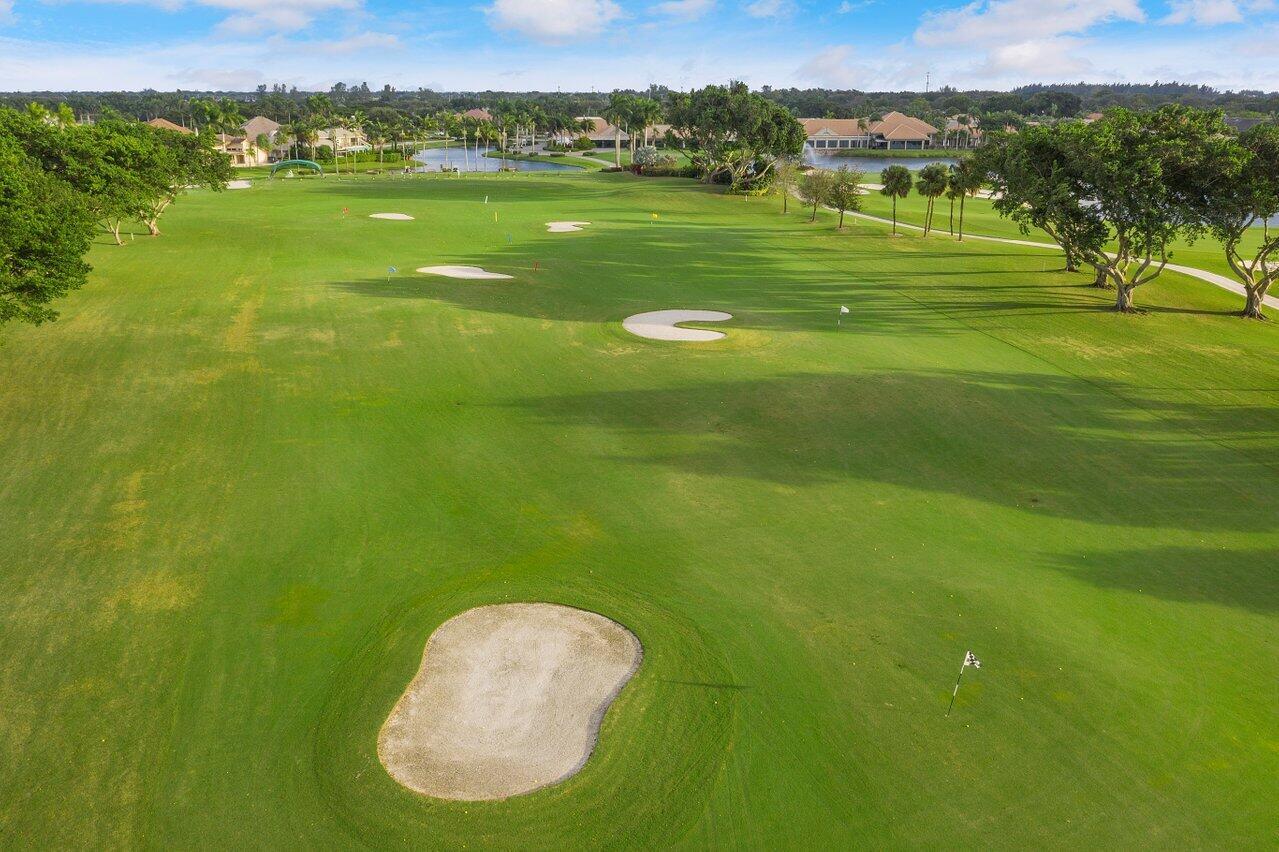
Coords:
165,124
893,131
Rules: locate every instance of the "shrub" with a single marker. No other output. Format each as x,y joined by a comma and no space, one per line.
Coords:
648,157
583,144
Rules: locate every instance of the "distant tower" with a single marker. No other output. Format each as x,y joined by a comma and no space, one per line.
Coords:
928,82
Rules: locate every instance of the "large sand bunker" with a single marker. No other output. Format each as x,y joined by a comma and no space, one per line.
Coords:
509,698
473,272
398,217
661,325
238,184
564,227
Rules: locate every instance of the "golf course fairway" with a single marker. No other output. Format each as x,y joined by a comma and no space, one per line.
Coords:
251,470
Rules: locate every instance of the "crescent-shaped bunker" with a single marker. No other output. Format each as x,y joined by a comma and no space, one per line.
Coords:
663,325
509,698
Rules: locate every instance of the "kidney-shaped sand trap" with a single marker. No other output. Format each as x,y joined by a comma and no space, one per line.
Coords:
474,272
238,184
564,227
509,698
662,325
399,217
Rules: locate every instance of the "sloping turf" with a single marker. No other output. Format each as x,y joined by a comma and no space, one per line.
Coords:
245,476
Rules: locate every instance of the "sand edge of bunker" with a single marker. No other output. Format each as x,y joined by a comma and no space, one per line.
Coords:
664,325
473,273
395,217
507,699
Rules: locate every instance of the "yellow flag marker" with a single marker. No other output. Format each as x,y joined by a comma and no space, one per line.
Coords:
494,215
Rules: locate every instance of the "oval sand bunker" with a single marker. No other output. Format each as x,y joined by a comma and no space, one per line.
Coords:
471,272
509,698
398,217
564,227
661,325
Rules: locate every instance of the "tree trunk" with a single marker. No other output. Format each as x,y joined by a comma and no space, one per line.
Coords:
894,215
617,147
1123,298
952,217
961,217
1252,310
841,220
1101,281
153,226
113,228
813,218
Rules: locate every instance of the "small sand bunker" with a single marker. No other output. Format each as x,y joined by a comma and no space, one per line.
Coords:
473,272
238,184
399,217
564,227
662,325
509,698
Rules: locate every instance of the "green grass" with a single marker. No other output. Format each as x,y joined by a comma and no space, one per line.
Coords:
246,475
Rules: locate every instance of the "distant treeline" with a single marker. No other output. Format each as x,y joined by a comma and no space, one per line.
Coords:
283,103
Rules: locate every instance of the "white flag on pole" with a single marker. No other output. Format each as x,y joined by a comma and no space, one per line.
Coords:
970,660
843,309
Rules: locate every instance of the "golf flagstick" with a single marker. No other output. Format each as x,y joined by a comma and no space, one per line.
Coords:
969,660
839,318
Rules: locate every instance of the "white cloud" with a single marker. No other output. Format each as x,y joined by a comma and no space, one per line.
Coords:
6,12
987,22
852,6
831,68
684,10
253,17
1213,12
770,9
359,42
553,21
1025,39
1051,58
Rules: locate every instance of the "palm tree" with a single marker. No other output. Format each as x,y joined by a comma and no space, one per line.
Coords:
897,182
966,176
617,113
933,180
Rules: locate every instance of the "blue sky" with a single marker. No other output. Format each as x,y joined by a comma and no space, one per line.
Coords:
606,44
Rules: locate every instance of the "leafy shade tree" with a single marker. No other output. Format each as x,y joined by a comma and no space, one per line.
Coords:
1036,185
95,160
814,186
932,183
966,179
844,191
1241,193
45,230
786,175
896,182
729,130
181,160
1145,174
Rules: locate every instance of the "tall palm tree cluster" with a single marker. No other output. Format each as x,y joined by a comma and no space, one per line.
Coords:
633,114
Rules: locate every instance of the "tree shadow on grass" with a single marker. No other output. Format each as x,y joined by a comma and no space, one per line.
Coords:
1096,451
1245,579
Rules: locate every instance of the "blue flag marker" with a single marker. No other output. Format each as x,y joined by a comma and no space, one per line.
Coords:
390,270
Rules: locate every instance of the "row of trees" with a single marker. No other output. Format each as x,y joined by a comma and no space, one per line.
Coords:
1117,194
283,103
61,182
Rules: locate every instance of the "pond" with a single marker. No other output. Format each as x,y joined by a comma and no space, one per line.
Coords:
871,165
433,158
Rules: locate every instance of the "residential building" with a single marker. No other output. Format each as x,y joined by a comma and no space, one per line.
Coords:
165,124
242,150
348,140
892,131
